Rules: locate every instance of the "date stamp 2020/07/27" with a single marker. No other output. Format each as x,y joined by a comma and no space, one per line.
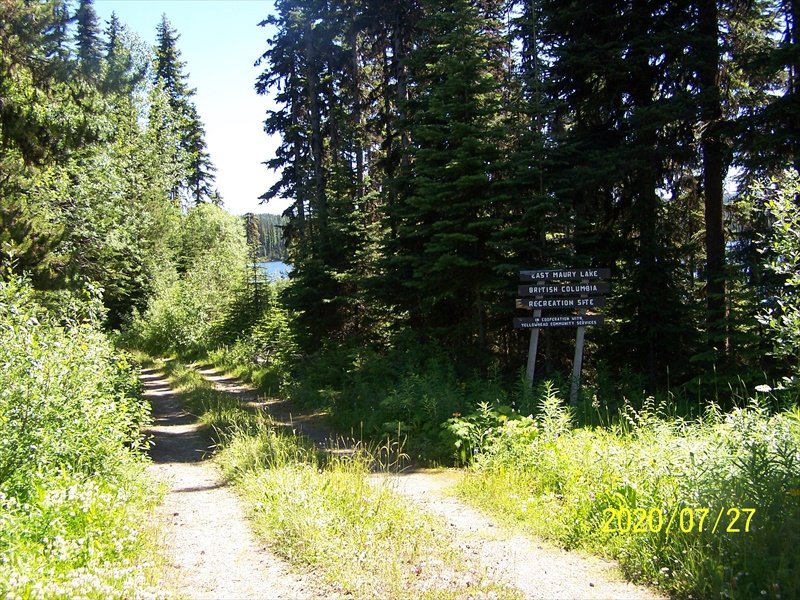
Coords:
683,520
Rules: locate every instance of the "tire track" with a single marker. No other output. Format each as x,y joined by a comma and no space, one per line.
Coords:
210,548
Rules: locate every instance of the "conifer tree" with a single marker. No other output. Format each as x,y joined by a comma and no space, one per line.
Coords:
270,233
164,136
169,74
732,89
442,254
283,61
201,170
431,149
122,73
88,40
708,60
316,102
620,122
169,68
41,124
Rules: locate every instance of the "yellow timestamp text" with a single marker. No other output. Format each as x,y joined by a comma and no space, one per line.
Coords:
678,519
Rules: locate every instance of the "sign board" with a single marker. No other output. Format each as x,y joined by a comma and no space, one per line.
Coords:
563,289
560,321
586,291
562,274
533,303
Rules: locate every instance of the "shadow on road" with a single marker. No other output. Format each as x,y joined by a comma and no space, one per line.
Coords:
176,435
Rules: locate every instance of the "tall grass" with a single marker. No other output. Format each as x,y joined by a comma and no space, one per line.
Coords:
73,494
569,485
321,510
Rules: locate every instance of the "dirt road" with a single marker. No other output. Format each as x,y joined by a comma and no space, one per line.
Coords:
210,549
538,570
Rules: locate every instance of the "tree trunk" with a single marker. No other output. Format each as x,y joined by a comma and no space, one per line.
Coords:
645,202
312,76
297,154
358,146
793,68
712,148
401,77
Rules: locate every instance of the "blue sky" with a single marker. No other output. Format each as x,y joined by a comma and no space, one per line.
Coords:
219,42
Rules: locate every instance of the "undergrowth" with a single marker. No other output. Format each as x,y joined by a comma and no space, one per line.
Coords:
255,341
327,511
73,494
551,470
638,491
411,389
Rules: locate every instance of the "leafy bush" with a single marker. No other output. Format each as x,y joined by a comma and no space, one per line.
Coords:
412,390
783,246
264,351
468,434
79,538
565,483
68,401
73,496
183,315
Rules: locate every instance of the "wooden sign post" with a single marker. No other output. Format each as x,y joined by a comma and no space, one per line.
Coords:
537,296
533,343
577,361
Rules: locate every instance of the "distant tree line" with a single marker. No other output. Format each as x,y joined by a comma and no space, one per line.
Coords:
431,149
265,236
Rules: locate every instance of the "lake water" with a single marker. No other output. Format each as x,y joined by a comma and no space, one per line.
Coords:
275,269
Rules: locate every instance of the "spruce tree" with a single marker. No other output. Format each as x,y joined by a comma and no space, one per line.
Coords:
122,73
293,65
201,170
169,68
732,87
283,72
768,61
88,40
621,121
707,55
446,219
170,76
42,124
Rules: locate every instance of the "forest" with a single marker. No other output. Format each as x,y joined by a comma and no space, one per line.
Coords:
430,151
435,149
265,231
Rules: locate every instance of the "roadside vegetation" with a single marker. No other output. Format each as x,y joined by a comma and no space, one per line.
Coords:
704,508
655,483
74,498
405,238
101,149
689,464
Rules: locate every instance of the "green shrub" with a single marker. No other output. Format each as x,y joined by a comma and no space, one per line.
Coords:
188,303
73,494
264,352
568,484
412,389
468,434
78,537
68,400
782,246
